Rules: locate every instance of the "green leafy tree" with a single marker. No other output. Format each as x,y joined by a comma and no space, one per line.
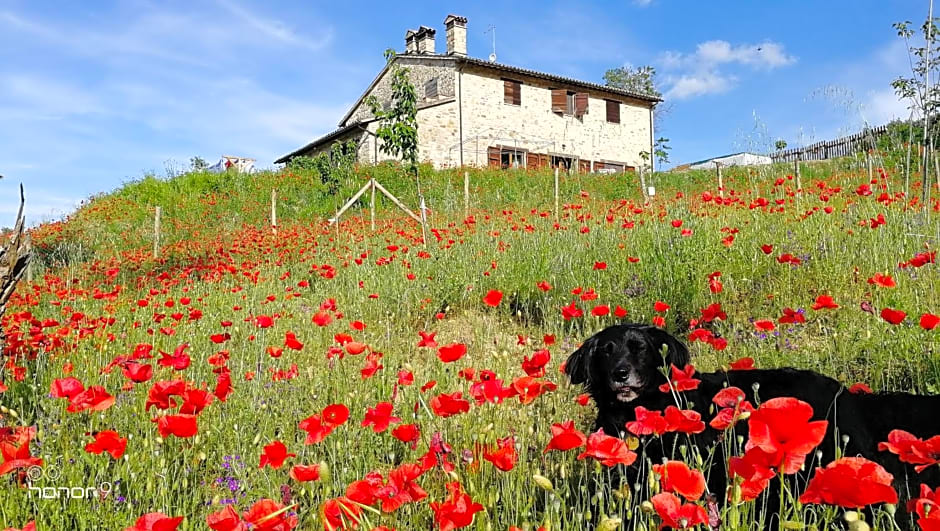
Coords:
640,80
197,164
780,144
398,120
661,150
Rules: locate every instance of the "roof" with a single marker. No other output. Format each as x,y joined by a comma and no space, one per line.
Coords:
502,68
561,79
325,138
719,158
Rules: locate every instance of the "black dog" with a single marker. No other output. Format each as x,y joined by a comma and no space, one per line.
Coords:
621,368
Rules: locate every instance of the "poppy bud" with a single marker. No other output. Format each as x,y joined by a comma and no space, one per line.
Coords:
647,507
543,482
609,524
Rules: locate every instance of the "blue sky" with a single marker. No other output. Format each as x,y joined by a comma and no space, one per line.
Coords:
93,94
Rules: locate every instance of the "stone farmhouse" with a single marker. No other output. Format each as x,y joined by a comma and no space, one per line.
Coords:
475,112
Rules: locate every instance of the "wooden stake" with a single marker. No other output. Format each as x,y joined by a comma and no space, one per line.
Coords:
721,182
156,233
643,186
796,163
352,201
424,222
397,202
372,203
29,264
868,159
274,211
466,194
557,213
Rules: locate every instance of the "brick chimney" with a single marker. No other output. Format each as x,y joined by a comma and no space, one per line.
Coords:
456,28
424,40
410,44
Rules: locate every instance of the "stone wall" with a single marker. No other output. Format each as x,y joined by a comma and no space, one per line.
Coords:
488,121
420,71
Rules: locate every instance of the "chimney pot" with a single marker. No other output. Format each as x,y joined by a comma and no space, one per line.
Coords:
410,44
424,40
456,28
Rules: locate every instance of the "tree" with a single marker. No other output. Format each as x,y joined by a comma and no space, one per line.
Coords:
780,144
197,164
640,80
661,150
398,121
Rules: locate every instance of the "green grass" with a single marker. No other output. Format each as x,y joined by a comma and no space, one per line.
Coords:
218,249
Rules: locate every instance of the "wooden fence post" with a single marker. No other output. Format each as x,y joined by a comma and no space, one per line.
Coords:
466,194
643,185
29,264
156,233
372,203
796,163
721,182
557,215
273,211
868,160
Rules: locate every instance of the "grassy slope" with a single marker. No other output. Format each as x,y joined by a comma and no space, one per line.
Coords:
219,252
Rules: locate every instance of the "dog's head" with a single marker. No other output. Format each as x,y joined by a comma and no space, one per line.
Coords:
621,362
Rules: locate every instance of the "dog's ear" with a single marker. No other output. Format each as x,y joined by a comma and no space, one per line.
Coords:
677,354
578,366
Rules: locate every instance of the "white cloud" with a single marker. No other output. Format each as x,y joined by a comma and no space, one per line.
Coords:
642,3
704,71
277,30
882,106
692,85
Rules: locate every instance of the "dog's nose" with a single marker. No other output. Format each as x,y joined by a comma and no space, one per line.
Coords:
621,375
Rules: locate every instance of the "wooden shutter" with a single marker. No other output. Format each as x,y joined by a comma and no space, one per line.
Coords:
584,166
492,156
512,92
559,100
613,111
430,89
580,104
532,161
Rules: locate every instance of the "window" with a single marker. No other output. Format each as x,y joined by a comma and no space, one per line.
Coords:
430,89
562,163
608,167
613,111
570,103
512,158
512,92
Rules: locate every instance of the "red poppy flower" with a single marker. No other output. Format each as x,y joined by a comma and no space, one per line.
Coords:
884,281
304,473
291,342
267,515
264,321
620,312
156,522
178,425
493,297
600,266
220,338
791,316
683,421
767,249
851,482
913,450
14,450
354,348
929,321
66,387
893,316
647,422
179,360
782,427
681,379
754,467
225,520
107,441
825,302
535,367
274,455
194,401
447,405
600,310
734,406
427,339
95,398
528,388
743,364
659,321
859,388
504,456
322,318
408,434
571,311
380,417
661,306
679,478
456,511
713,312
764,325
452,352
137,372
610,451
544,286
565,437
927,507
676,515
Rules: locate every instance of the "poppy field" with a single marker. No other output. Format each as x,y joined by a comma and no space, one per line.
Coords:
312,376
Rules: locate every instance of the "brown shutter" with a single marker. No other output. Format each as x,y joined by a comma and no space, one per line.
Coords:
559,100
492,155
584,166
532,161
580,104
512,92
430,89
613,111
544,161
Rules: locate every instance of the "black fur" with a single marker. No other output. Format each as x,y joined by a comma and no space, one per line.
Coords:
621,368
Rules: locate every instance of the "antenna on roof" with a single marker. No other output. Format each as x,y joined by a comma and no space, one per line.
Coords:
492,29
